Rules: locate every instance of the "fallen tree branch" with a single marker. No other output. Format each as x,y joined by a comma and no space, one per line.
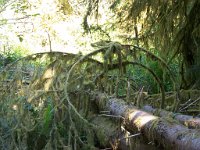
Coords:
165,132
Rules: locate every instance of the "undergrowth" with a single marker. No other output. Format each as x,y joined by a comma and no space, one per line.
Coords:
46,97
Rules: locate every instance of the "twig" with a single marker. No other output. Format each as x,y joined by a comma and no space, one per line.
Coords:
105,115
185,104
104,111
137,134
190,104
49,38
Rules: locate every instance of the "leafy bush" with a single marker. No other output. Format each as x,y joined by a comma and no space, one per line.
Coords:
11,54
142,77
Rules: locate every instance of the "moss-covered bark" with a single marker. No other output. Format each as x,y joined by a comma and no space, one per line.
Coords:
168,133
186,120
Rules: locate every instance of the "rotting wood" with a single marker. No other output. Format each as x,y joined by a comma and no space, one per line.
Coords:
186,120
168,133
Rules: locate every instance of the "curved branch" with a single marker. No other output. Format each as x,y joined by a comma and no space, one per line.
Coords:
161,85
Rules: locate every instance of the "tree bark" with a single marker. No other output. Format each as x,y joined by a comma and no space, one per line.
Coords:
165,132
186,120
111,136
190,47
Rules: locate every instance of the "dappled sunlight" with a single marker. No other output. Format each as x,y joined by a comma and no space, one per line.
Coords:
48,27
71,77
49,73
15,107
141,118
47,84
48,77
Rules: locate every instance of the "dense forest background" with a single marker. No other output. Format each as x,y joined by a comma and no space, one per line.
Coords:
56,55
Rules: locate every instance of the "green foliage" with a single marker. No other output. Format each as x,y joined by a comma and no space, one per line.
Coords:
169,27
143,78
70,79
12,54
47,119
115,4
3,2
65,7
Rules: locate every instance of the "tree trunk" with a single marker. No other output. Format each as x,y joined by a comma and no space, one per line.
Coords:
190,47
186,120
111,136
166,132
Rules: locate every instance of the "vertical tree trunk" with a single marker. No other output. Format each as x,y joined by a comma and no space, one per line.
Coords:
191,47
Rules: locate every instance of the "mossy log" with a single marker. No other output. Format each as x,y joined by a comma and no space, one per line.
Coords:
107,132
168,133
111,135
186,120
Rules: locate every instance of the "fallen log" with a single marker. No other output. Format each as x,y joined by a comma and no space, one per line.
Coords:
186,120
108,133
165,132
111,136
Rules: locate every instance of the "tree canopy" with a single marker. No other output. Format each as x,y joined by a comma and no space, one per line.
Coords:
66,65
170,28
